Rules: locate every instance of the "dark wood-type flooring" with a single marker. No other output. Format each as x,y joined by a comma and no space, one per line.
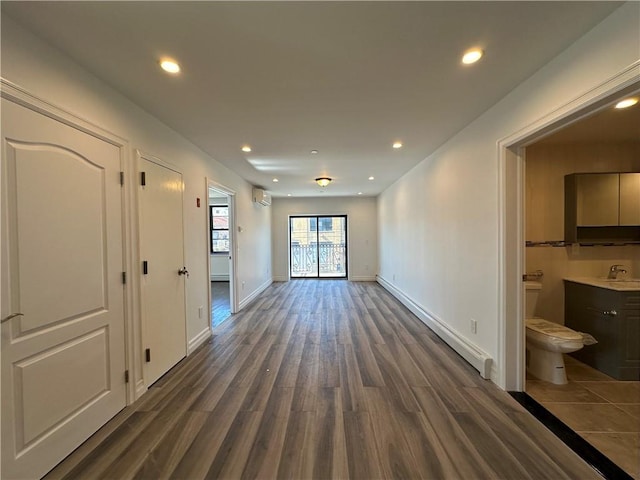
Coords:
220,302
324,379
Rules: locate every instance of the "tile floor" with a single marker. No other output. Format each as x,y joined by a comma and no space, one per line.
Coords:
602,410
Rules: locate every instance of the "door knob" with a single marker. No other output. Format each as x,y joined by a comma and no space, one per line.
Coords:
183,271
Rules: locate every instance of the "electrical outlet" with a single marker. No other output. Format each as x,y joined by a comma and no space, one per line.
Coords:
474,326
394,277
243,285
200,311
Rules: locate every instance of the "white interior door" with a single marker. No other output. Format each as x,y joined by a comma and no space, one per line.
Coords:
163,287
63,357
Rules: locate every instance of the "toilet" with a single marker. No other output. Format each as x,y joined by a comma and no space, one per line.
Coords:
547,341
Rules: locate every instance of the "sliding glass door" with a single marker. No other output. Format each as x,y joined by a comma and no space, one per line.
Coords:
318,246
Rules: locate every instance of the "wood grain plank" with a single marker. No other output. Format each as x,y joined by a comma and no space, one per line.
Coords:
203,450
264,458
162,460
352,388
323,379
362,452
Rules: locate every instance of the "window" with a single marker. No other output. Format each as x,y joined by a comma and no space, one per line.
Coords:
323,224
219,228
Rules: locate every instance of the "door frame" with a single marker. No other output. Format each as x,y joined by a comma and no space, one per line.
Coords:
346,244
511,219
233,246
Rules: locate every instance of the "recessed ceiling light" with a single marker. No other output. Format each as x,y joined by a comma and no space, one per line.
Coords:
372,177
627,102
359,193
169,66
275,180
246,148
288,194
472,56
314,152
397,145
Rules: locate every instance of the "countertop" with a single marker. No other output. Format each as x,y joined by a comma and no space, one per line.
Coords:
619,284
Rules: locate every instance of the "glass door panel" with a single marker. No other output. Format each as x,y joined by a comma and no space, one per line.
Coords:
318,246
304,247
332,247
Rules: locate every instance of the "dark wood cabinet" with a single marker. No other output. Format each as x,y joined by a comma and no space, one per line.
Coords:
613,318
602,208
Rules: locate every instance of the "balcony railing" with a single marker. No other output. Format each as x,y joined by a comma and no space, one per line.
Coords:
332,257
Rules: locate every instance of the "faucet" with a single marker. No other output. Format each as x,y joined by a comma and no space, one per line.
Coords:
614,271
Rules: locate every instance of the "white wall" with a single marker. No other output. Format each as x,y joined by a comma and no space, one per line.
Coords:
438,225
47,73
361,231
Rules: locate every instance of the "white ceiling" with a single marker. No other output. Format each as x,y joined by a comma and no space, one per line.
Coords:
345,78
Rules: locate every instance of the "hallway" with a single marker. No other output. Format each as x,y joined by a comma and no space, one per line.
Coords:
324,379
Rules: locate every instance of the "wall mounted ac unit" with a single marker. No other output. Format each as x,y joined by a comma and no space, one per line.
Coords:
261,196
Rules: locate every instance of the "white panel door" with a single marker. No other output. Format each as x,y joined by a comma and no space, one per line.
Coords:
163,286
63,359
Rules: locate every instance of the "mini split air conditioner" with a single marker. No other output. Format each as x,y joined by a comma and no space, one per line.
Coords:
261,196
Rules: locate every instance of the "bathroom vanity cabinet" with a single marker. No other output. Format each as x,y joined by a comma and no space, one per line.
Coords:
602,207
613,318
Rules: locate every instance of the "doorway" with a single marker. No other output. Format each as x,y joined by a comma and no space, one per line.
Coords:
221,240
553,147
318,246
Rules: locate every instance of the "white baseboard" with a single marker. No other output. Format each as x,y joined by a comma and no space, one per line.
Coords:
219,278
480,360
198,340
254,294
363,278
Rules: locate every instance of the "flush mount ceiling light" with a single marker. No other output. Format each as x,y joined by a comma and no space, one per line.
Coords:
372,177
627,102
472,56
169,66
314,152
323,181
397,145
246,148
275,180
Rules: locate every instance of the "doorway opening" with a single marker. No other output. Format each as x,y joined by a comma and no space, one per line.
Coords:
318,246
535,248
220,215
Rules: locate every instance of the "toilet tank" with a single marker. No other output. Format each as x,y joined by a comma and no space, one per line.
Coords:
531,292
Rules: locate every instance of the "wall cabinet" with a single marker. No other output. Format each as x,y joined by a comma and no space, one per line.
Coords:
613,318
602,207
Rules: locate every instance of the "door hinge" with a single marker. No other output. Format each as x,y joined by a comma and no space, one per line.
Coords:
126,376
122,179
124,278
143,178
145,267
147,354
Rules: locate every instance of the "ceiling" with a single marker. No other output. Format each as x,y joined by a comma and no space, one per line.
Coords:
344,78
606,125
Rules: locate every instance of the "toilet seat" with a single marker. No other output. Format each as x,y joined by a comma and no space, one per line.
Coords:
551,329
552,336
